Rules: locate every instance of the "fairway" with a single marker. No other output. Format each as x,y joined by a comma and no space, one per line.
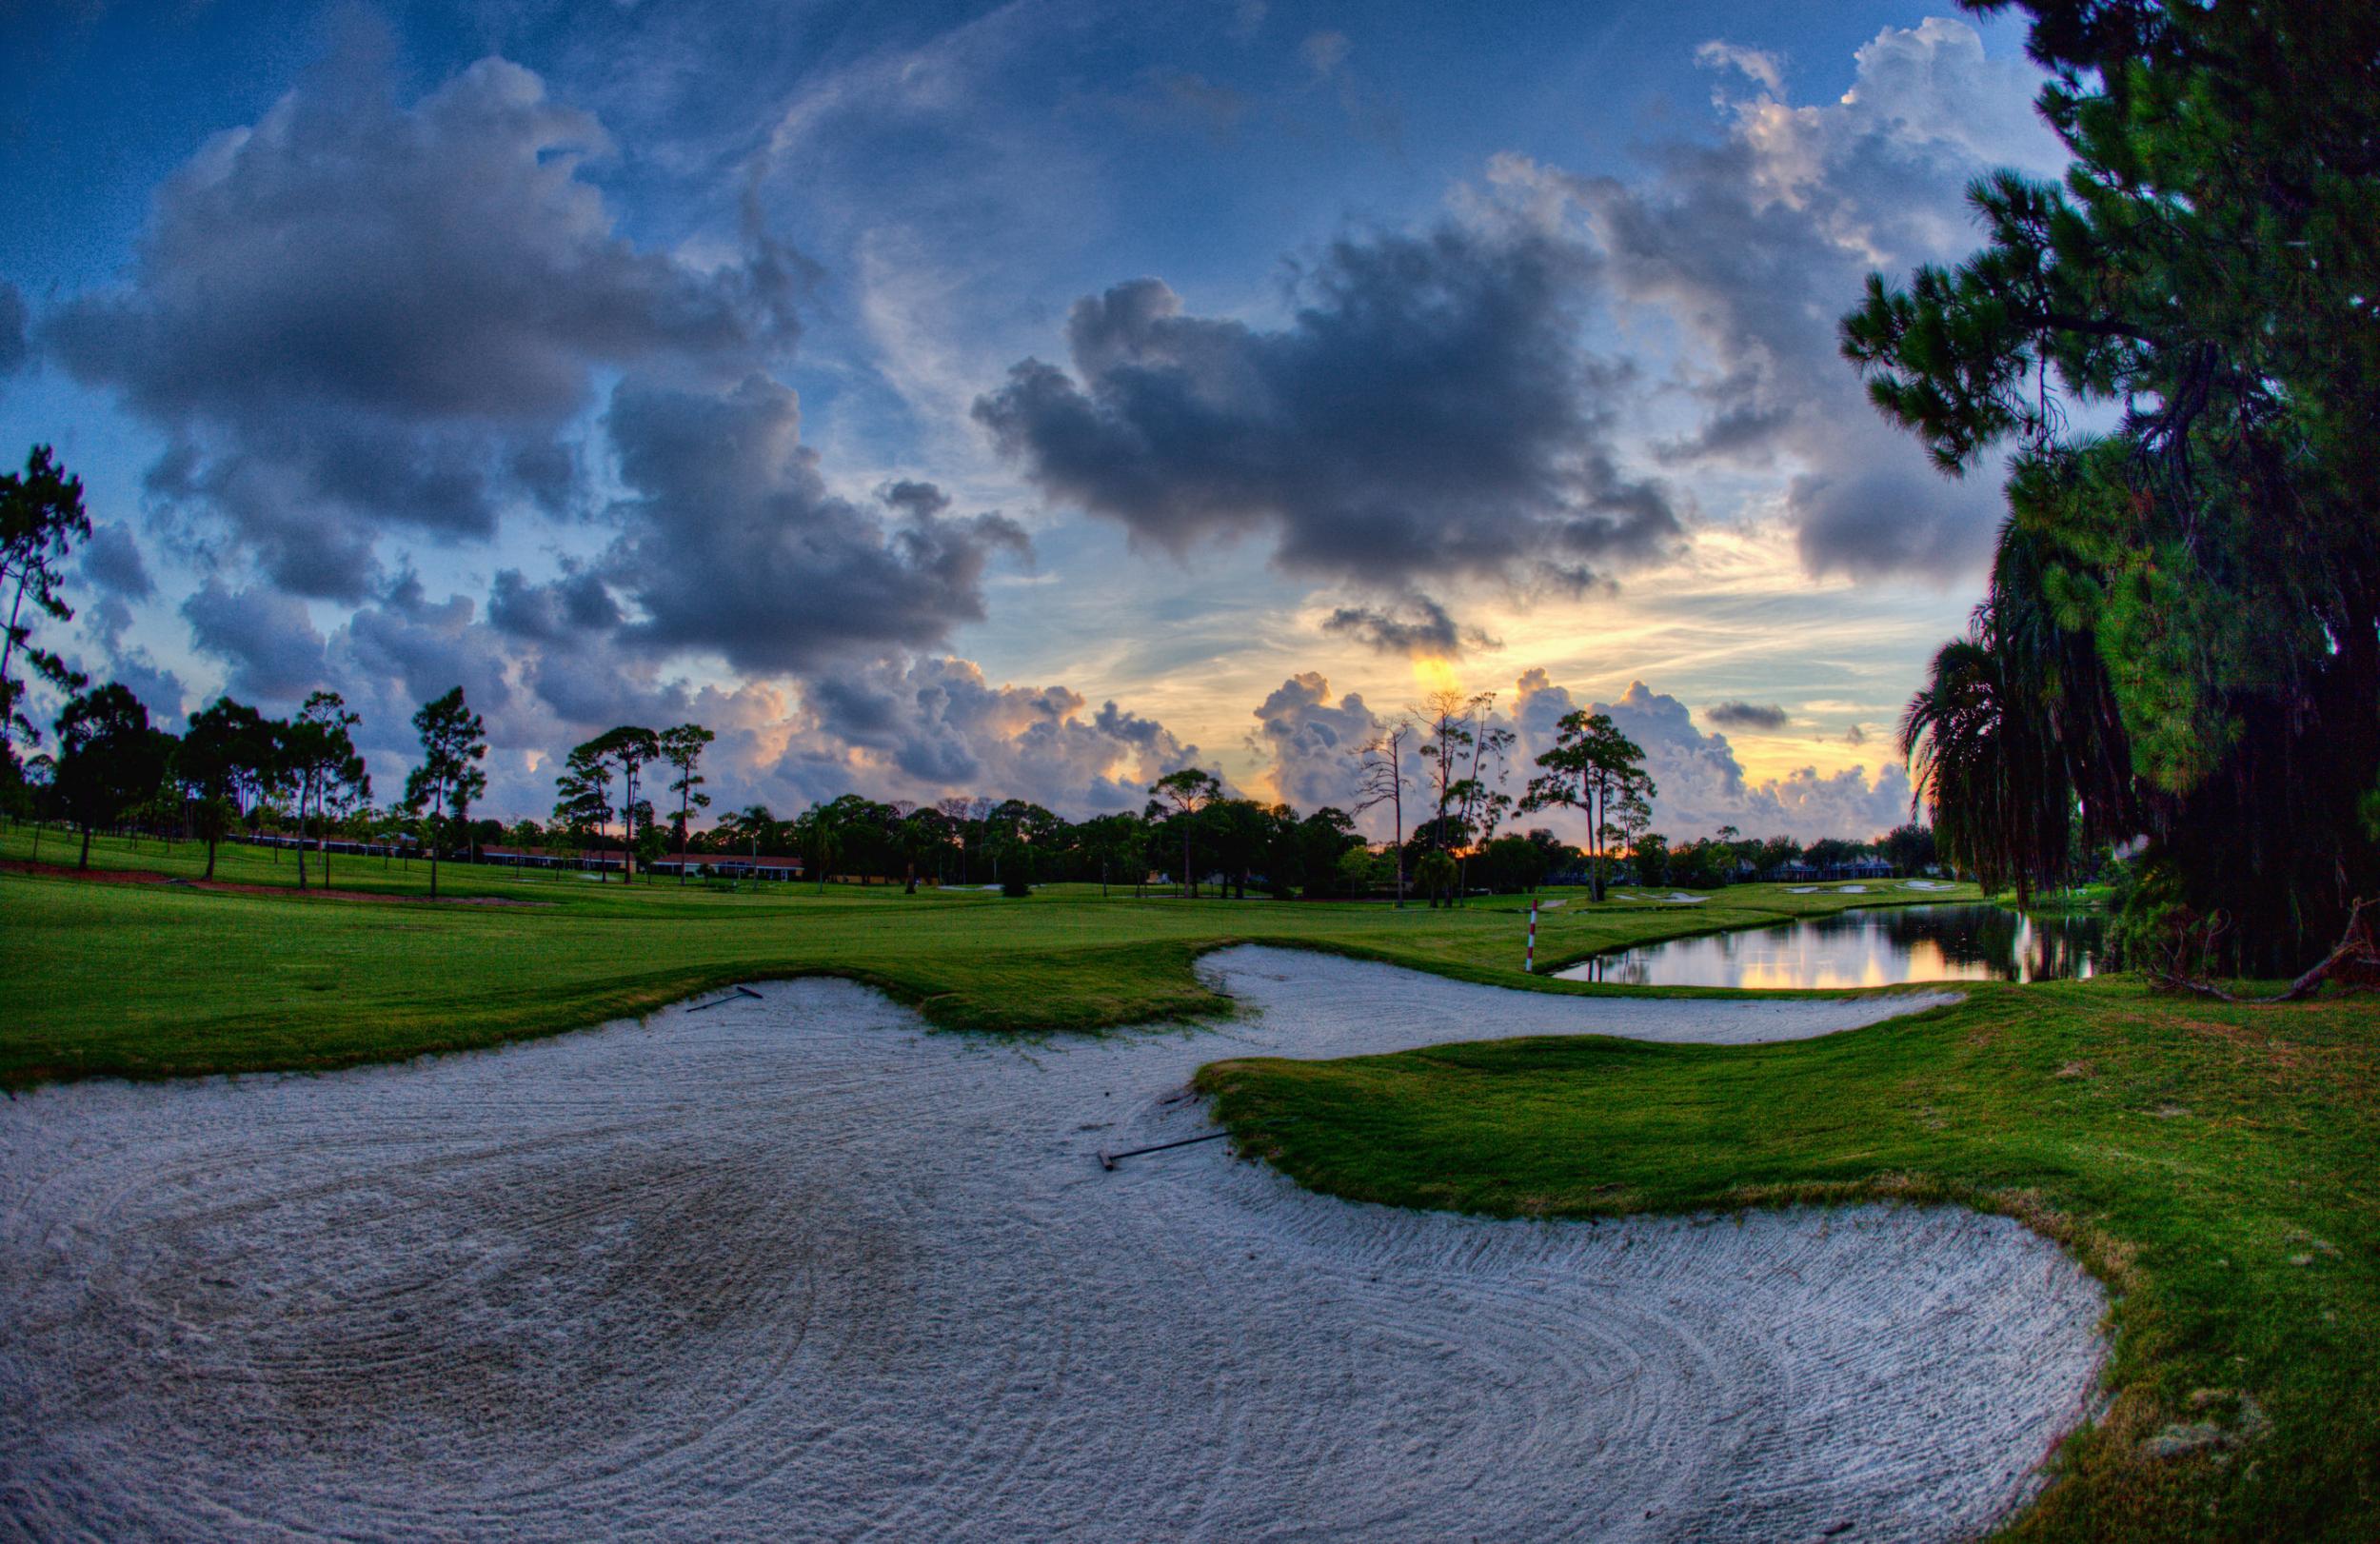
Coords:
140,979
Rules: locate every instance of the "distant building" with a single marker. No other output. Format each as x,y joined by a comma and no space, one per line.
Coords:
593,860
722,865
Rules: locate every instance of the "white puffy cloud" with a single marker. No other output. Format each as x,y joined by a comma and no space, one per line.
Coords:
935,726
1313,743
1702,784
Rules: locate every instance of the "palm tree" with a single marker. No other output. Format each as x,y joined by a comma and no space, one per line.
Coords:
2014,742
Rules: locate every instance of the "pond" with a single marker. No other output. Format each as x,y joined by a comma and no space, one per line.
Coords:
1880,946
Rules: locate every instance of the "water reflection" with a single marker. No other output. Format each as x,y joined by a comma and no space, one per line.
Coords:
1879,947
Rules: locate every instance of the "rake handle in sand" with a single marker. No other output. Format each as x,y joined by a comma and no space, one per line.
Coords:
1109,1160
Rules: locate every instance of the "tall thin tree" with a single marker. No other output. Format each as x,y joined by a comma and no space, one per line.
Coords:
41,519
1381,779
454,742
682,747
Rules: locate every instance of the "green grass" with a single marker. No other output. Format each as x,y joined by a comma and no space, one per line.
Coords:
152,979
2191,1155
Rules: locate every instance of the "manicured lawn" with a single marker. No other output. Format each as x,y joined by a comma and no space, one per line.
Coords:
2213,1165
145,979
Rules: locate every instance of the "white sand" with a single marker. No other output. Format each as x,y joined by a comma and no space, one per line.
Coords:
793,1268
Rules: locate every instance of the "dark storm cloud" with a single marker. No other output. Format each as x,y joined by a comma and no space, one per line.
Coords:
111,562
733,541
1428,414
265,637
1747,716
1418,628
418,649
1874,522
575,604
357,314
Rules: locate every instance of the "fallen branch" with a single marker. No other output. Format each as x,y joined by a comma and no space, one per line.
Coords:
2357,955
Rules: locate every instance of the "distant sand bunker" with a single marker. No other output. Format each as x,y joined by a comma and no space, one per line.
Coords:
794,1268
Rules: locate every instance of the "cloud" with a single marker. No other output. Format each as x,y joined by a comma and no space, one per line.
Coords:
551,662
1429,414
1854,736
732,542
1701,783
1747,716
1312,744
551,612
1324,53
1876,522
266,637
356,315
1758,243
1418,628
111,562
1764,68
937,726
105,623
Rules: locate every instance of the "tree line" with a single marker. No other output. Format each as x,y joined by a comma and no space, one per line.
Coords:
233,768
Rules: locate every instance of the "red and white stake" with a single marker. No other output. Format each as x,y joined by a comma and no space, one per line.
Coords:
1529,965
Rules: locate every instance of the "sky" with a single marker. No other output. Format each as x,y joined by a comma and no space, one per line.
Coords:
1020,400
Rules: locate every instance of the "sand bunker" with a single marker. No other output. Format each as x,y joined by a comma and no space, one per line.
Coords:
794,1268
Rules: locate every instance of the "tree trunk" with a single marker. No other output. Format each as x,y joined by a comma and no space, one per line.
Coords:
628,829
86,858
210,856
